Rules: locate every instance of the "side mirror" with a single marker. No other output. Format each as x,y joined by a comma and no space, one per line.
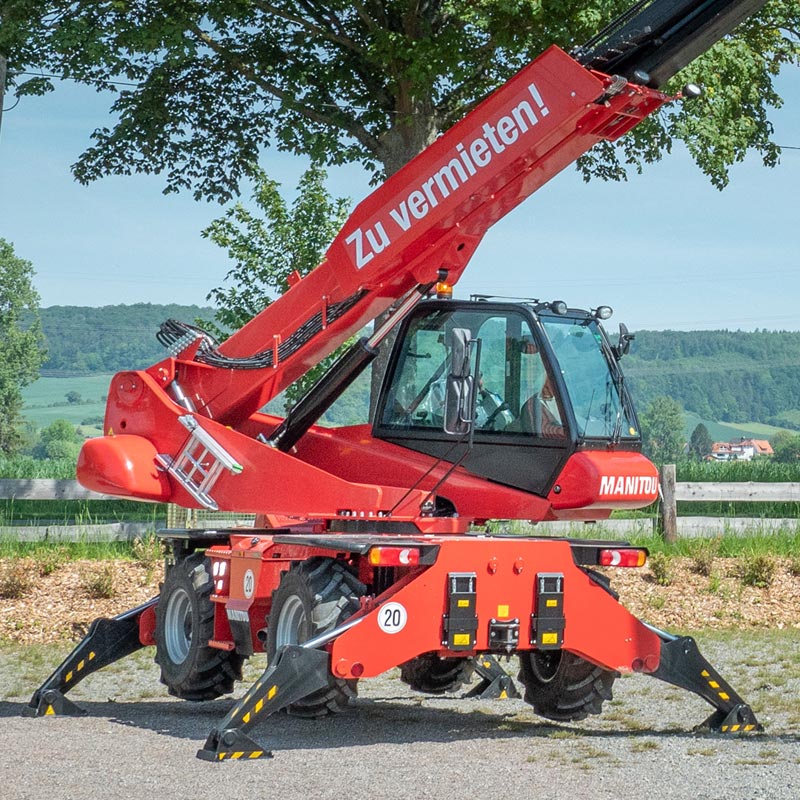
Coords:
459,394
623,345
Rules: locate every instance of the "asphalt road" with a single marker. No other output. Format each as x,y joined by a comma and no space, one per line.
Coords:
396,744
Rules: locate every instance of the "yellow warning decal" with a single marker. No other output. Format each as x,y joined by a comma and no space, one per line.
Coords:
552,603
463,603
549,638
51,712
272,692
502,611
240,754
462,639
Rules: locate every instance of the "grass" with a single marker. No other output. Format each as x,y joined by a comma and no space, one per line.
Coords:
42,552
703,556
29,467
78,512
781,544
726,431
645,746
660,568
45,399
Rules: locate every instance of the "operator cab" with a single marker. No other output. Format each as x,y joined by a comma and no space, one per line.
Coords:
543,379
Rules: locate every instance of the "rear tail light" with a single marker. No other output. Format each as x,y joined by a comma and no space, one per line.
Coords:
220,574
623,558
394,556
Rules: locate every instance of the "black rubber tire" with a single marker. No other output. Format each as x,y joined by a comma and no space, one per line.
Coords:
314,596
431,674
191,669
563,687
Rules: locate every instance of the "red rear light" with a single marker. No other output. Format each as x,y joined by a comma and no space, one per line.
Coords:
394,556
623,558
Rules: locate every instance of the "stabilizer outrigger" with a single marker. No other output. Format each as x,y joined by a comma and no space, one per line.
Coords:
300,670
683,665
107,641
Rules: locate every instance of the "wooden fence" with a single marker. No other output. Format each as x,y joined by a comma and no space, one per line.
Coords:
668,522
49,489
734,492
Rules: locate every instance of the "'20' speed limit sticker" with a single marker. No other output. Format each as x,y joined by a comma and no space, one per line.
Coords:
392,618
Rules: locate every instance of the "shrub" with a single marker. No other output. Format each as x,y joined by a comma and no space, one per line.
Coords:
661,568
757,569
51,559
98,582
148,550
794,566
703,555
15,580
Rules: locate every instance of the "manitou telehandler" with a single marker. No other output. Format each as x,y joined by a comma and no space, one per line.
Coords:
364,555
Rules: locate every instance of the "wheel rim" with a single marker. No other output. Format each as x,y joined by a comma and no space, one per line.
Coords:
545,664
291,622
178,626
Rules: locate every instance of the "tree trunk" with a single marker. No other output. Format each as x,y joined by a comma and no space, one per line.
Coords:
402,142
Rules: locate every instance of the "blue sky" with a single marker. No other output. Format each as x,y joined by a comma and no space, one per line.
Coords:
665,249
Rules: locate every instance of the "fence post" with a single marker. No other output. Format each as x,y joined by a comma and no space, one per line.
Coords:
669,512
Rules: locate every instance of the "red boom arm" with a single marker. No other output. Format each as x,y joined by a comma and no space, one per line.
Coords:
430,215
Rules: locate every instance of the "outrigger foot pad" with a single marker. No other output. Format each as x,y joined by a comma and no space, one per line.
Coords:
52,703
496,683
233,745
740,720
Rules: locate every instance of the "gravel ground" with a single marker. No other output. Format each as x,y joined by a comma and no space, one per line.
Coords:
139,743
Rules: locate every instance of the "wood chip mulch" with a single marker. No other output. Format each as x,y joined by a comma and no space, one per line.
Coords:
58,606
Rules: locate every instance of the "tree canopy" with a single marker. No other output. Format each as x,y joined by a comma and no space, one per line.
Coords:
21,344
202,87
662,430
700,443
269,245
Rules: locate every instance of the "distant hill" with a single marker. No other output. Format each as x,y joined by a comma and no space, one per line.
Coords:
728,376
83,340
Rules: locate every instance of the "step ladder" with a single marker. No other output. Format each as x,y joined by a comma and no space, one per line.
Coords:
200,464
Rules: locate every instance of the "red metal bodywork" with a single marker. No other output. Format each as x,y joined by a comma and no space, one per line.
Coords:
428,217
506,570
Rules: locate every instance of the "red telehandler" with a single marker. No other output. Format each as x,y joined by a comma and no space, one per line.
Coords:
364,555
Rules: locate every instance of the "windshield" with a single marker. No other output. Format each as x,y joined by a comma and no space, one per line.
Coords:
513,395
591,386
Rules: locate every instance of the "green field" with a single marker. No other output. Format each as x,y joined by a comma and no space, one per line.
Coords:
45,400
728,431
